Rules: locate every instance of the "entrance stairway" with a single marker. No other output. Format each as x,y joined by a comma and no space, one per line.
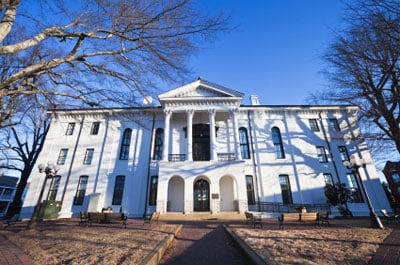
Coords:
175,216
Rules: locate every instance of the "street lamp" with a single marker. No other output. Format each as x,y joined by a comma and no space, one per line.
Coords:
50,170
354,167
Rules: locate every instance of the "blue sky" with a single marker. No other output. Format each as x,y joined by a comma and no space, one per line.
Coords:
276,50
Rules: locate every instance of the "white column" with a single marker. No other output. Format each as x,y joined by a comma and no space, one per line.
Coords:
238,154
211,118
168,114
189,127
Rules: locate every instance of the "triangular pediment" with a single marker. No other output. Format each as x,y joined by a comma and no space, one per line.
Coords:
200,89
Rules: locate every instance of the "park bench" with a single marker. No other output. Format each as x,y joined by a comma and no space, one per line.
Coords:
105,218
151,218
253,219
299,218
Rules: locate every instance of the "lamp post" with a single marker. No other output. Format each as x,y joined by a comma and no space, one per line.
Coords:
354,167
50,170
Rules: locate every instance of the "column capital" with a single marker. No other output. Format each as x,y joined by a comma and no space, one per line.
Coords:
167,111
190,111
234,111
211,111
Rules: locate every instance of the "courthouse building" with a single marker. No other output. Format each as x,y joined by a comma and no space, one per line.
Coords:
201,150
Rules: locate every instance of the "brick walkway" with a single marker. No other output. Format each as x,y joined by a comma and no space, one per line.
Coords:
389,251
11,255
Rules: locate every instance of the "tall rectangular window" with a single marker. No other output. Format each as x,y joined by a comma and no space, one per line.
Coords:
321,154
70,128
313,125
88,156
95,128
55,183
158,144
328,179
118,190
251,200
153,190
244,143
334,125
344,155
81,190
62,156
285,189
278,144
125,145
355,189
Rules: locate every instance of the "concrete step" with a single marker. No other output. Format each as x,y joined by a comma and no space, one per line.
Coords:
202,216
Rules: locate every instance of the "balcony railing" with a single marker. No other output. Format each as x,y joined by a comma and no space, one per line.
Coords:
176,157
226,156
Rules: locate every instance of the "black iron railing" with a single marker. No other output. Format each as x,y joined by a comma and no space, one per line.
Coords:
226,156
276,207
176,157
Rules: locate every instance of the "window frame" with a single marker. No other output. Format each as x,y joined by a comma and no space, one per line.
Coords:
278,143
153,190
158,144
328,178
70,128
344,154
89,153
244,143
125,144
354,187
55,184
94,130
62,156
118,192
333,124
80,192
322,157
286,190
251,199
313,125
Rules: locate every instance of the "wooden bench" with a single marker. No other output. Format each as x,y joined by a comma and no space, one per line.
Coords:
299,218
253,219
106,218
151,218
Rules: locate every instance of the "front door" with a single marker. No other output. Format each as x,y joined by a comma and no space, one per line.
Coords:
201,196
201,142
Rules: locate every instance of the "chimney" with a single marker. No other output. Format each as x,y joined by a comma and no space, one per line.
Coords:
147,101
254,100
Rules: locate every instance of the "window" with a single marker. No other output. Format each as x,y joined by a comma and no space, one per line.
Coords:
244,143
126,142
277,140
344,155
328,179
62,156
153,190
158,144
88,156
81,190
95,128
70,128
313,125
286,190
118,190
322,158
55,183
250,190
8,193
354,188
396,177
334,125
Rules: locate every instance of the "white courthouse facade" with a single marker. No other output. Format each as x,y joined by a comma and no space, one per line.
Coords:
201,150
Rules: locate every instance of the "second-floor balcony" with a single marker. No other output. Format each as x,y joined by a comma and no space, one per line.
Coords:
221,157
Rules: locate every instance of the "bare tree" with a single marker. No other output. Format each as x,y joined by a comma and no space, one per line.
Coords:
363,65
20,149
96,52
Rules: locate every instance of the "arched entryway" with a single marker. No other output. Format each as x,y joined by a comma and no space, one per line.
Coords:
227,194
176,194
201,193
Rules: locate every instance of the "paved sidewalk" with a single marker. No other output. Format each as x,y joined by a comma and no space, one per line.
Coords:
389,251
204,243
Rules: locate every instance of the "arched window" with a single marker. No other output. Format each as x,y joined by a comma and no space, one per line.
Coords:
126,142
277,140
244,143
158,144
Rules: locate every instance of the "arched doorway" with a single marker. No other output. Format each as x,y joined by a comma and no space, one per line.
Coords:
201,142
201,193
176,194
227,193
